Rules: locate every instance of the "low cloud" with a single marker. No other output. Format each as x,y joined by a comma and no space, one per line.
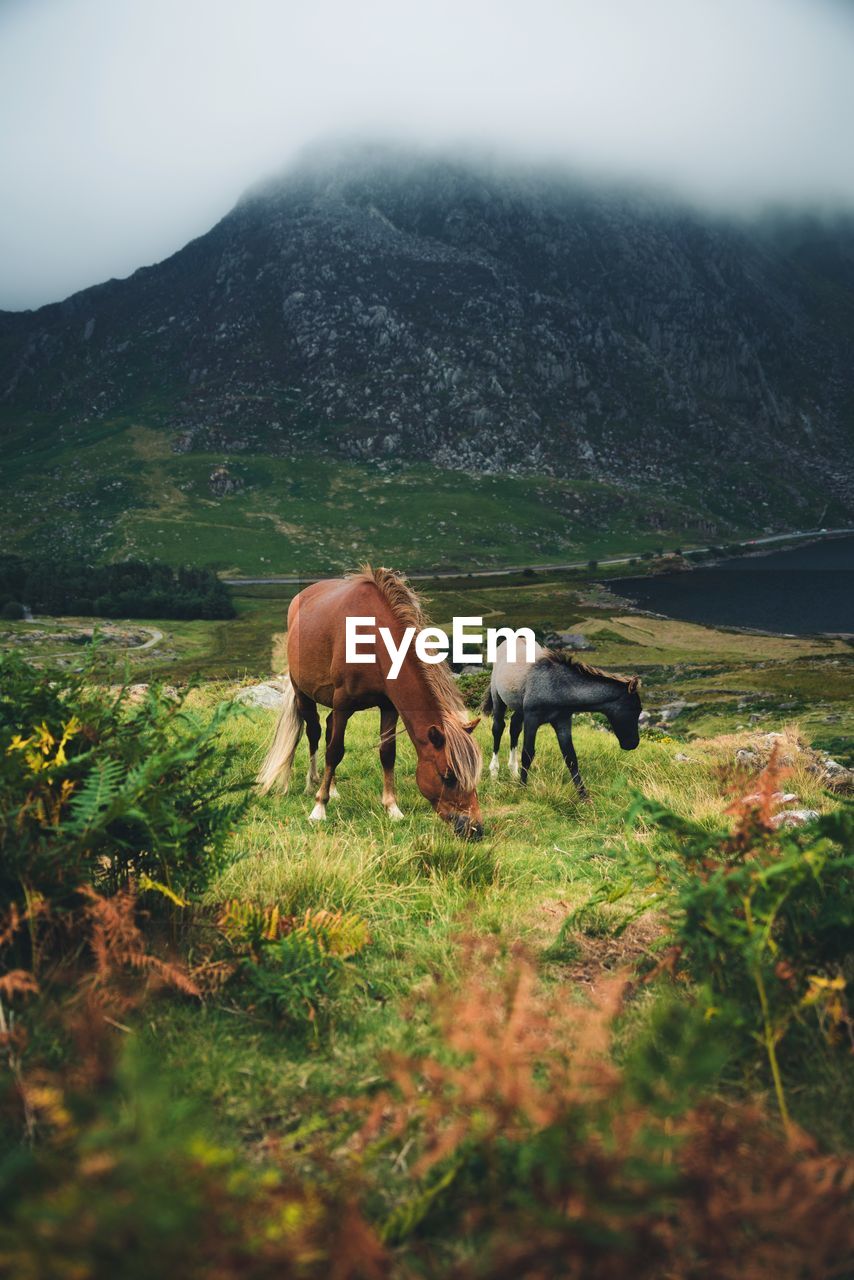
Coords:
131,125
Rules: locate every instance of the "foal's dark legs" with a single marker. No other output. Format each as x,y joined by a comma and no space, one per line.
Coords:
528,744
307,708
516,722
499,711
563,729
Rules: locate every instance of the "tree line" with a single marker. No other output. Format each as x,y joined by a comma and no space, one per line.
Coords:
127,589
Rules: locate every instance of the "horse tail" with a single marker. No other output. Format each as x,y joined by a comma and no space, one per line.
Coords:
486,705
276,769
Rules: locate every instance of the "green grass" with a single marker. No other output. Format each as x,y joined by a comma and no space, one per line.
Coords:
420,890
117,488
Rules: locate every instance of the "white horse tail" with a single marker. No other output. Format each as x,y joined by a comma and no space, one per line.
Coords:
279,760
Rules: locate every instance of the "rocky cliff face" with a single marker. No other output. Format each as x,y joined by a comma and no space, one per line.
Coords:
390,307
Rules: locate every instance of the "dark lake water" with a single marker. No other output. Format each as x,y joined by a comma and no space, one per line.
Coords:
805,590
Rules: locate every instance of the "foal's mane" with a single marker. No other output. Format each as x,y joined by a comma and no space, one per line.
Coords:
463,754
557,658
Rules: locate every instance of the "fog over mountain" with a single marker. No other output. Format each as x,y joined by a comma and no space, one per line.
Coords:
387,306
129,126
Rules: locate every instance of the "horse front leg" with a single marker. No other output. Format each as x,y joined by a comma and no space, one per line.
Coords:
563,730
528,745
516,722
335,727
388,753
499,711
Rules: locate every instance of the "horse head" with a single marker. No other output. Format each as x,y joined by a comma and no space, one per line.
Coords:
448,769
623,712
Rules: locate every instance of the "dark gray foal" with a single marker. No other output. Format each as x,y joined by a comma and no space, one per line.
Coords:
550,690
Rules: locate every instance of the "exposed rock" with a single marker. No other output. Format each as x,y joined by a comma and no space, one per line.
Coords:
794,817
673,710
644,718
221,482
268,695
136,693
747,759
396,306
681,758
568,640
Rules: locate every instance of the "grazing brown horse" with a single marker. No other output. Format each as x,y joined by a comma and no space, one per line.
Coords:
424,696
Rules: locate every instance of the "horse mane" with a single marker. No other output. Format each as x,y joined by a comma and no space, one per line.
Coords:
407,606
557,658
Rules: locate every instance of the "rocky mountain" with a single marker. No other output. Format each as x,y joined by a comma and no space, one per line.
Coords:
393,307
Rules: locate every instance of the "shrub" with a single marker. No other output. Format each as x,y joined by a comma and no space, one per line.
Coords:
96,791
473,687
12,611
760,918
126,1180
524,1140
291,966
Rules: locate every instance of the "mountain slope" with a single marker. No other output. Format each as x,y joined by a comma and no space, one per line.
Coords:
388,308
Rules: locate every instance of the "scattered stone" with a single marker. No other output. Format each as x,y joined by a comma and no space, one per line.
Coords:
747,759
794,817
754,717
136,693
681,757
672,711
568,640
779,797
644,718
221,482
269,696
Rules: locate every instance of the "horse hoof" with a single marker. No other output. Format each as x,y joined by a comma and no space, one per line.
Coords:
318,813
494,767
394,813
333,792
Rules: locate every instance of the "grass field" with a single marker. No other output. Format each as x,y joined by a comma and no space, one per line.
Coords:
420,891
118,489
231,1089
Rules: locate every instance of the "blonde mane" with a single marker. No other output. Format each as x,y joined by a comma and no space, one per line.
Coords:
463,753
569,660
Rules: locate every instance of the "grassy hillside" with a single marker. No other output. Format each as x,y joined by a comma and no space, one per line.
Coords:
117,489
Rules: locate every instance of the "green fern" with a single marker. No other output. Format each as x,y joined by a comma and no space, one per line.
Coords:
96,795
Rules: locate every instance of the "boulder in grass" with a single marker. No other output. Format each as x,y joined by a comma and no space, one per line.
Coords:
794,817
267,695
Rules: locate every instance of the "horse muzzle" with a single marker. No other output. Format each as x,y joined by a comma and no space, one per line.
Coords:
464,827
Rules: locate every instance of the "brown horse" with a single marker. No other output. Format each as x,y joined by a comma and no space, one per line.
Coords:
424,696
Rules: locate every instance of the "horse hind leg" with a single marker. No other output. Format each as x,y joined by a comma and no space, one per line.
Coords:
308,710
499,712
516,722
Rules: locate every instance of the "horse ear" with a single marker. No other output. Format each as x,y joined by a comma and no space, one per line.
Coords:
633,684
436,736
472,725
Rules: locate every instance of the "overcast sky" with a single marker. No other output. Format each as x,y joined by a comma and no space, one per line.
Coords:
129,126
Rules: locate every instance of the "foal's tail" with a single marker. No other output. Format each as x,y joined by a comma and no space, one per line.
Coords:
276,768
486,706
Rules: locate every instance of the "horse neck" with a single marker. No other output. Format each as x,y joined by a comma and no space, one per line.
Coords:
415,700
589,693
